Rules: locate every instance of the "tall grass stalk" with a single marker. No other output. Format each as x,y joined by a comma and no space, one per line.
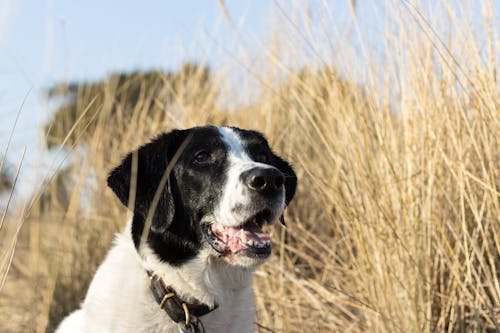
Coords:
396,223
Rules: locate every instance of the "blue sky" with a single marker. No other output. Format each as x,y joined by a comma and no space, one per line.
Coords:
42,42
46,41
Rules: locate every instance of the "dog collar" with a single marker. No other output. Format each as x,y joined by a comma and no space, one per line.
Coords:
183,313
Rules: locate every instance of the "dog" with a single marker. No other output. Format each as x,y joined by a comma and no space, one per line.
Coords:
203,200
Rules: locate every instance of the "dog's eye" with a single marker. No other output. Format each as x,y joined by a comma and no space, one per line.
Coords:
201,157
261,157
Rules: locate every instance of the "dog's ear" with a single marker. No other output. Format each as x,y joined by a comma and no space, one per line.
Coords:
290,177
138,177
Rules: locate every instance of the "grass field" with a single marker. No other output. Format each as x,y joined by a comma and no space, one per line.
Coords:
396,224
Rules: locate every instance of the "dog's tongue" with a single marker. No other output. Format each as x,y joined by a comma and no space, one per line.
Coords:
236,239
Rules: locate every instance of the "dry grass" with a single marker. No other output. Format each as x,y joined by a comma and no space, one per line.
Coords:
395,227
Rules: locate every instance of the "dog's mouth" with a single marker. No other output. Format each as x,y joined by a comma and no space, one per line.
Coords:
252,238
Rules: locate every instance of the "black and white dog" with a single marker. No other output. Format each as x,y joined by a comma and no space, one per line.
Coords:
201,198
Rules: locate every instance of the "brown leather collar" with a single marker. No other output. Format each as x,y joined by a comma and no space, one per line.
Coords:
183,313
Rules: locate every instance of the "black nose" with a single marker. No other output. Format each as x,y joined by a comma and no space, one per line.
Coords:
263,180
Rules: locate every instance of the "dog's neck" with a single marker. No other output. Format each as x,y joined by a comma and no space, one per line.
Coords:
206,278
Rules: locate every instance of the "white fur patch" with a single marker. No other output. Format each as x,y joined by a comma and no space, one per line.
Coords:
234,193
236,149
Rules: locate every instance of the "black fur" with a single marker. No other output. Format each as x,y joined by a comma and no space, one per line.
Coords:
193,189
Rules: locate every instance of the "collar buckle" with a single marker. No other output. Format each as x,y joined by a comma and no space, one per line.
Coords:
183,313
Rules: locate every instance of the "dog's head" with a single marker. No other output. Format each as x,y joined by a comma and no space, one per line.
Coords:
221,186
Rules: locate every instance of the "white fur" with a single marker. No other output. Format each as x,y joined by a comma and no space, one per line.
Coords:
119,299
235,192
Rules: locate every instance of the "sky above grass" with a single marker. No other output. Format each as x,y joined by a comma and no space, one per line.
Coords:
46,41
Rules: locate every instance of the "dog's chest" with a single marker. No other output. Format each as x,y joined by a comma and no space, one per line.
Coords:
119,297
235,315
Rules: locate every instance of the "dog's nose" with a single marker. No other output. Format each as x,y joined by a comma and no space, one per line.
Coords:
263,180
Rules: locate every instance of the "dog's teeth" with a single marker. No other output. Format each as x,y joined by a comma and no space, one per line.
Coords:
243,236
261,245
